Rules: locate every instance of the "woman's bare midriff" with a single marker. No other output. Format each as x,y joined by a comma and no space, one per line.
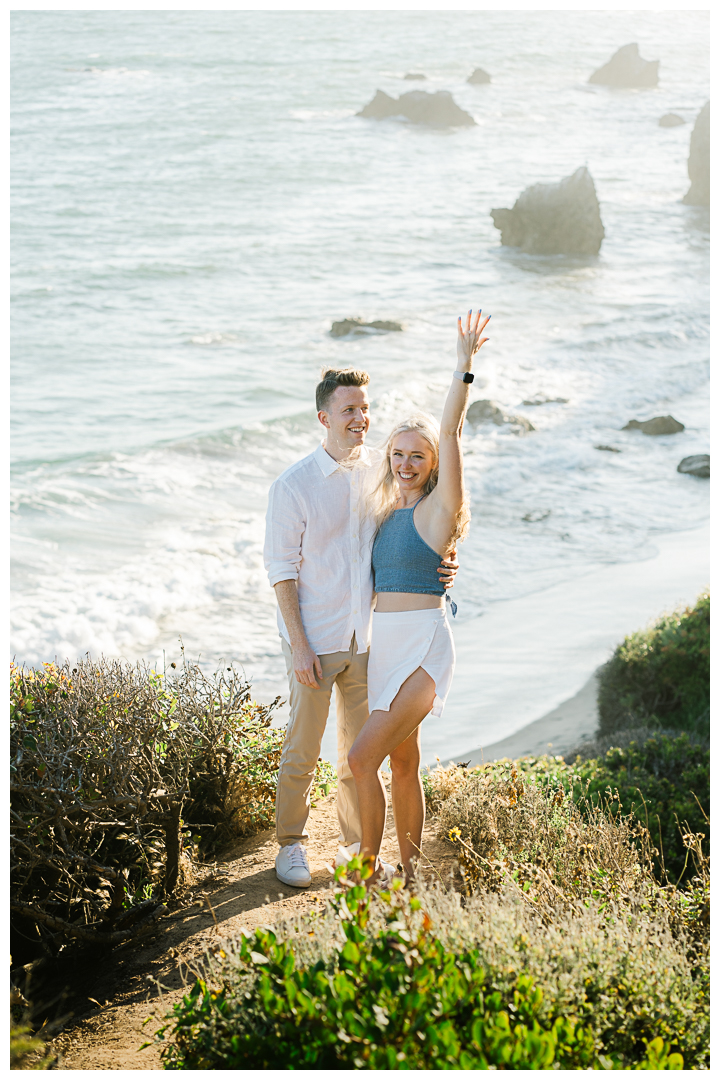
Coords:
407,601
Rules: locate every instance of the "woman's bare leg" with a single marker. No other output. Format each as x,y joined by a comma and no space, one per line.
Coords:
383,733
408,800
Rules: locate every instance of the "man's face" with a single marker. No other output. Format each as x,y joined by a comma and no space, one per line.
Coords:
347,416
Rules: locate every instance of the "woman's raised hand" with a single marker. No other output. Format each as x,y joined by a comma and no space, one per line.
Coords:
470,339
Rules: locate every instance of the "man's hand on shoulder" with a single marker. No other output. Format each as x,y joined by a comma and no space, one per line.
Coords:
448,569
305,664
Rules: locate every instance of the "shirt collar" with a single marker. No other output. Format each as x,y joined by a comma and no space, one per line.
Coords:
328,464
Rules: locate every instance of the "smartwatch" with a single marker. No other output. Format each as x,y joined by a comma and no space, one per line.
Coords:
463,376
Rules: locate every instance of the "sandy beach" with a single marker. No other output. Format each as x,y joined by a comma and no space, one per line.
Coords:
563,728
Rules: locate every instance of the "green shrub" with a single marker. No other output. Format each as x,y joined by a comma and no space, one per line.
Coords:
666,783
431,982
118,774
660,676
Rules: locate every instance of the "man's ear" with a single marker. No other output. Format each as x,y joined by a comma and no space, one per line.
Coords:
323,418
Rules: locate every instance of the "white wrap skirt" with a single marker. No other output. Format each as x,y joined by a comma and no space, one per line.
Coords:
402,642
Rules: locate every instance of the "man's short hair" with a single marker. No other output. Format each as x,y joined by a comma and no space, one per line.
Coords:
334,377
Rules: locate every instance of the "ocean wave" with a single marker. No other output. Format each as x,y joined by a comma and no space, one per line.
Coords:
214,337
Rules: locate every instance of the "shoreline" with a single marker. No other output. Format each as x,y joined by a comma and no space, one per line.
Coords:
561,729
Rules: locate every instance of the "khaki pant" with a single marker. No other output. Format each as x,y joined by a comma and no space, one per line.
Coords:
309,709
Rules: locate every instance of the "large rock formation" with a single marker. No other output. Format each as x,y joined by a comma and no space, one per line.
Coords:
670,119
699,160
659,425
554,219
435,110
478,77
484,410
627,69
359,326
696,465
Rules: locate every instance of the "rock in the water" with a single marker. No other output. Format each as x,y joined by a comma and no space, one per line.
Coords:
483,410
659,425
415,75
381,106
554,219
435,110
627,69
670,119
696,465
359,326
479,77
699,160
612,449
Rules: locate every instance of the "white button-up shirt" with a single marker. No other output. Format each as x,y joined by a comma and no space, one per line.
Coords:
316,534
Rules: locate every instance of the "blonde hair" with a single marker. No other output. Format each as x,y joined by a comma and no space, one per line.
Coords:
383,495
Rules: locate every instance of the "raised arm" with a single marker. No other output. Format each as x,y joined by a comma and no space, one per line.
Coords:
449,490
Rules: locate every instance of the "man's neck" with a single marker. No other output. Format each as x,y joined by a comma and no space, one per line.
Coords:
342,453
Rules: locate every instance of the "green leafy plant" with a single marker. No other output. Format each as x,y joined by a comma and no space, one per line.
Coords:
660,677
324,781
388,980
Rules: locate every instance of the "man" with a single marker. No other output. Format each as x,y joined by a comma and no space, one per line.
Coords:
318,550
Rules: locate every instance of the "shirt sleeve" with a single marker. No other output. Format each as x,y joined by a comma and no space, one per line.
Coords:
284,528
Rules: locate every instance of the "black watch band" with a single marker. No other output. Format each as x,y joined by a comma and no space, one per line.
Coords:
463,376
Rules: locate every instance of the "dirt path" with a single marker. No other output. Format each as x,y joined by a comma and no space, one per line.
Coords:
107,1028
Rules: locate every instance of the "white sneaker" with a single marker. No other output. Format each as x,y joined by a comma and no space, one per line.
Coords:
291,866
345,854
388,873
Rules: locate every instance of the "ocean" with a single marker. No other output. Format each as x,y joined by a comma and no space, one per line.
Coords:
194,202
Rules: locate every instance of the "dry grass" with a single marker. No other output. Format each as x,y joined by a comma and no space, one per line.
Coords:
504,822
110,764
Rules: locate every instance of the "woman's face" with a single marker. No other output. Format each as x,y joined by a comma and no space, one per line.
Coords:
412,461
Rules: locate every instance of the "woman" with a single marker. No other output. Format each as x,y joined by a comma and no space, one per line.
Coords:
422,511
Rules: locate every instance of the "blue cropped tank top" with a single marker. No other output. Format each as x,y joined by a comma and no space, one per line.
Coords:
402,561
